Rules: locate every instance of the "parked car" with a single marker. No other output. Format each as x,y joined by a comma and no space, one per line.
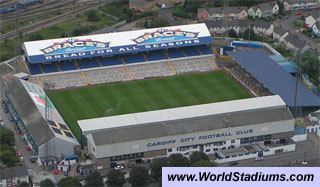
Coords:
32,160
259,158
28,148
119,167
234,163
18,154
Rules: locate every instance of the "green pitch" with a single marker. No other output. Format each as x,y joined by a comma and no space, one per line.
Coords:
144,95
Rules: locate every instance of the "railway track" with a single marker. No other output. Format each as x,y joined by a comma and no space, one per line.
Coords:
50,21
39,9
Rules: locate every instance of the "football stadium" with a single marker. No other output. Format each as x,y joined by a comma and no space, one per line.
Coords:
129,97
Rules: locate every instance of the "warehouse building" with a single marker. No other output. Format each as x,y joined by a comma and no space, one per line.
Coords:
227,131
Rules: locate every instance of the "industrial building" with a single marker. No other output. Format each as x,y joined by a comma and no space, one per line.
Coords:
37,119
227,131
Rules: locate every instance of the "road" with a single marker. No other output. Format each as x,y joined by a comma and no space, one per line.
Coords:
288,25
295,158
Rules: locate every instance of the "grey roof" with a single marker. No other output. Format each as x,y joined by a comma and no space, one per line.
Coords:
275,78
8,173
191,125
314,13
300,1
267,6
260,23
294,40
279,30
28,111
220,10
226,23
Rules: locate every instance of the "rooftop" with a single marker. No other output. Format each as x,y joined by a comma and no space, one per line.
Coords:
167,115
8,173
191,126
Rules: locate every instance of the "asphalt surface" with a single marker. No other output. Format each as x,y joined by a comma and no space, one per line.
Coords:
288,25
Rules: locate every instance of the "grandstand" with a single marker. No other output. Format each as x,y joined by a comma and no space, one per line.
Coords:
112,57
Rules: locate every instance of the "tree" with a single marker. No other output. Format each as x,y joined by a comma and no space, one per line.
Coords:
7,137
63,35
139,176
156,168
198,155
92,15
192,6
8,157
249,34
94,179
35,36
24,184
115,178
309,64
232,33
178,160
203,163
281,7
69,182
46,183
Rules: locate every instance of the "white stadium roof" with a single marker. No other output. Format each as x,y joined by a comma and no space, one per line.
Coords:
116,39
93,125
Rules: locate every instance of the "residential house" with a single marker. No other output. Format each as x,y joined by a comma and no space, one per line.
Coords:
286,6
263,10
268,9
316,28
218,13
279,34
13,176
221,27
312,18
292,42
165,15
300,4
254,12
143,5
262,27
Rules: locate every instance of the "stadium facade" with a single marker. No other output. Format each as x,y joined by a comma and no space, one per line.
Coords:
39,122
227,131
120,56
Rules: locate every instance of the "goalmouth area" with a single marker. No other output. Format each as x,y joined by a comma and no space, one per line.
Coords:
144,95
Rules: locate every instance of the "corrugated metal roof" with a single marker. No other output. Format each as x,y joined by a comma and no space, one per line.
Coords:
276,79
91,125
193,125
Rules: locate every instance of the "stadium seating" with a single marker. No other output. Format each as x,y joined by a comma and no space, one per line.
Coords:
205,50
50,68
87,63
66,66
191,51
128,59
110,61
156,55
175,53
34,69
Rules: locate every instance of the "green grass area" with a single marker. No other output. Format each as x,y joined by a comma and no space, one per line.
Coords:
144,95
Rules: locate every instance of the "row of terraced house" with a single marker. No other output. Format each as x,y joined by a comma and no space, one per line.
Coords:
260,27
262,10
